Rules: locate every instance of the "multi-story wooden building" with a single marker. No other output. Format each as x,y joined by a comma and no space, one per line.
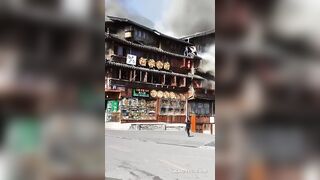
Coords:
148,74
202,103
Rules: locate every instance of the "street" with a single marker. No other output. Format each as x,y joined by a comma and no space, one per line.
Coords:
159,155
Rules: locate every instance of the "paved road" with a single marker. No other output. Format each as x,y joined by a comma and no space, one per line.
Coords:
159,155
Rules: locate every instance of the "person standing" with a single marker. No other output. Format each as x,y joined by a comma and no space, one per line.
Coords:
188,124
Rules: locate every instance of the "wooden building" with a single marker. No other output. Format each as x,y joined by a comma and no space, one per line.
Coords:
148,74
202,103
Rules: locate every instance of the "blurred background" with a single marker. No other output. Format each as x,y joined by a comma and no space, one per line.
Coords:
51,89
268,89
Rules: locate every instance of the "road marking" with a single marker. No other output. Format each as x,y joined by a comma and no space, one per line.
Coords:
172,164
118,148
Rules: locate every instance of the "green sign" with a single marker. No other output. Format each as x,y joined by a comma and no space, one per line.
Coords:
140,93
113,106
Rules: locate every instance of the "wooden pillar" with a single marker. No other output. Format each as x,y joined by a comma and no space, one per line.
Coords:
145,78
131,76
140,79
193,123
163,79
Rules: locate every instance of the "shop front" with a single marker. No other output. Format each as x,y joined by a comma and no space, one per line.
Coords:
145,105
203,110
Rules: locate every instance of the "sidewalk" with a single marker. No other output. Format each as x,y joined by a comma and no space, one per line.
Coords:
156,126
175,138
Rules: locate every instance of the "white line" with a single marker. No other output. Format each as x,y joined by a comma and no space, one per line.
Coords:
119,148
172,164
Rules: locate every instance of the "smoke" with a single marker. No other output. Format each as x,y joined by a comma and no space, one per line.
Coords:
208,61
117,8
292,19
187,17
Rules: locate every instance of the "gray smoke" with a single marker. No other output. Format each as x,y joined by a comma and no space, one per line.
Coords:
208,61
117,8
185,17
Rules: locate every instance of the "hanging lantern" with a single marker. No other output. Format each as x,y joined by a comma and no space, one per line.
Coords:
166,66
143,61
159,65
160,94
151,63
153,93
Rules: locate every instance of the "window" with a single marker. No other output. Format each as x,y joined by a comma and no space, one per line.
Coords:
172,107
137,75
156,79
125,75
138,109
120,51
114,72
168,80
200,108
181,81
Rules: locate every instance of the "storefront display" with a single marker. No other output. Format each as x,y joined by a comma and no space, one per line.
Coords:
172,107
138,109
200,108
138,104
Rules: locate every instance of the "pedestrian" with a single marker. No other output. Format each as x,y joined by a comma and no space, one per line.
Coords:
188,123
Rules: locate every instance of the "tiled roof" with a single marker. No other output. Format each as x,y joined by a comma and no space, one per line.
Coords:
198,34
125,20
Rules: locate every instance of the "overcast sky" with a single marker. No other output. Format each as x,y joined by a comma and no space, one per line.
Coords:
173,17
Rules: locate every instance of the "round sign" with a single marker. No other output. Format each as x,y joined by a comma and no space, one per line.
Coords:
151,63
143,61
153,93
166,94
160,94
159,65
166,66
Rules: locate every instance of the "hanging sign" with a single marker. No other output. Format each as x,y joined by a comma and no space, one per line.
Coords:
131,59
143,61
140,93
152,63
112,106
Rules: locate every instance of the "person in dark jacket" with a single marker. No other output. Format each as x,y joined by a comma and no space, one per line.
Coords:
188,123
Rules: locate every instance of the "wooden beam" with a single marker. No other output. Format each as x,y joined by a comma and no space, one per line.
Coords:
145,78
151,78
140,78
130,75
164,79
174,82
